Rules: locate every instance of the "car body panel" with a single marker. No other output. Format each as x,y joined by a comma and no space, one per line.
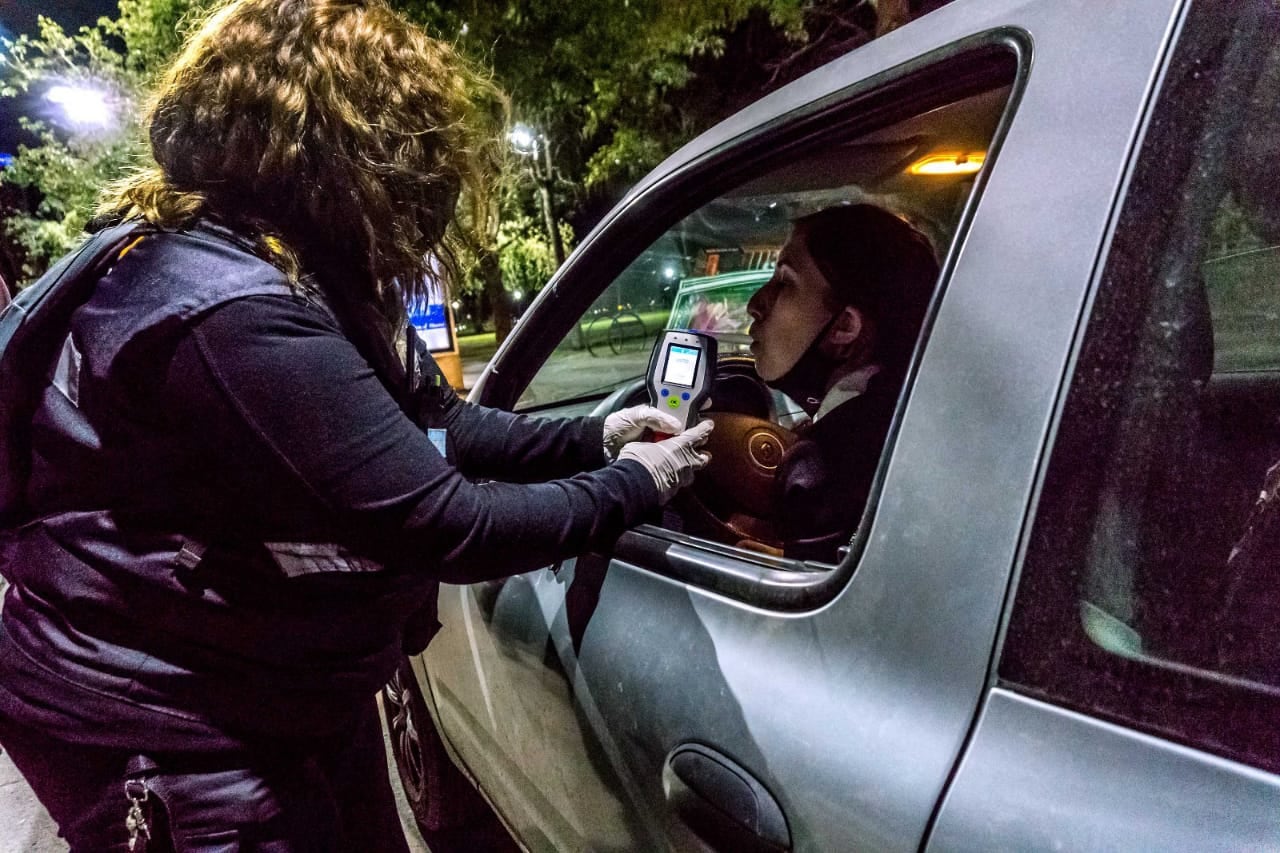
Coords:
1039,777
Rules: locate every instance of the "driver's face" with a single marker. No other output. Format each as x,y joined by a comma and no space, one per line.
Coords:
789,311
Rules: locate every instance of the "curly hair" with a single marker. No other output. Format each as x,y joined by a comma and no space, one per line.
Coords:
329,130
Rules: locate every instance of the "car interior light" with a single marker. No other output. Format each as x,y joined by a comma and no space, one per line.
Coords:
948,164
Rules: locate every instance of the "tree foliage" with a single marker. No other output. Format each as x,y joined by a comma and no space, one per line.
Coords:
525,256
67,167
614,85
617,85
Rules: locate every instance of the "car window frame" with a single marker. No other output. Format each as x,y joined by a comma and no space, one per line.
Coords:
981,62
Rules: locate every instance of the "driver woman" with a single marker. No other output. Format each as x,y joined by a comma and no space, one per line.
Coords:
834,329
233,503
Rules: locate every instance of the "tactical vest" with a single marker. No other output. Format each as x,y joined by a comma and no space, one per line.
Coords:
128,623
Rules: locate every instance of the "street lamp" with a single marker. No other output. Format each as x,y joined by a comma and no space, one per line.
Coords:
529,143
523,140
81,106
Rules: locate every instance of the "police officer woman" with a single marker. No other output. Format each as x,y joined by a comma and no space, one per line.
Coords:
235,502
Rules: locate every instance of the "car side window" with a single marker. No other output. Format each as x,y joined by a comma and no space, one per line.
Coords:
1150,591
704,273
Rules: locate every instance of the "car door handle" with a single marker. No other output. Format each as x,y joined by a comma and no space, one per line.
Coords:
722,803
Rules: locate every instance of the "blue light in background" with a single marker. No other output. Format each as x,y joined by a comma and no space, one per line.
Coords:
6,160
431,321
428,316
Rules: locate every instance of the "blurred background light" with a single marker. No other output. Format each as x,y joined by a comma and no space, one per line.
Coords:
80,105
523,139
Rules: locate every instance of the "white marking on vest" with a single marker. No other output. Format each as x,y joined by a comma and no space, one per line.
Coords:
439,438
66,373
295,559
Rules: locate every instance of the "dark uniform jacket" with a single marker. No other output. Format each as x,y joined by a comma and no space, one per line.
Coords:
824,478
235,516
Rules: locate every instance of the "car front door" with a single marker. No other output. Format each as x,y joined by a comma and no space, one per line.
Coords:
680,691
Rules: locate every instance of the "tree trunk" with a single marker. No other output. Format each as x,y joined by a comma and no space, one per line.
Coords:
499,302
891,14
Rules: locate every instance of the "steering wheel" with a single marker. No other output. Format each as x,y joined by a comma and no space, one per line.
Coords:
732,498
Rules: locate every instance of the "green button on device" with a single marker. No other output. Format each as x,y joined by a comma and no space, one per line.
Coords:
673,402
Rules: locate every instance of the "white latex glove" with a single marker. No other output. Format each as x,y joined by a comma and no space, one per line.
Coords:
672,462
628,425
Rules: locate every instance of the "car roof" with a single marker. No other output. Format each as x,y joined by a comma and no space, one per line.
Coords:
935,30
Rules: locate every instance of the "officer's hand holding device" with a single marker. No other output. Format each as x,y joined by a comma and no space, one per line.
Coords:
681,372
637,423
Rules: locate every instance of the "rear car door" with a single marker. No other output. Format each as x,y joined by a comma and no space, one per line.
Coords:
680,691
1137,704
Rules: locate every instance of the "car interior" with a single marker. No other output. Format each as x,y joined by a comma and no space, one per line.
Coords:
700,273
1201,431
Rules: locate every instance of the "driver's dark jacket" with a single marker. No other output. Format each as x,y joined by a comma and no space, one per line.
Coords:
235,516
824,479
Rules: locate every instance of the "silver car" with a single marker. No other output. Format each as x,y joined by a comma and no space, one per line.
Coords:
1057,625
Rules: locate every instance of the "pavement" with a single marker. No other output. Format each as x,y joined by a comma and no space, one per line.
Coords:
25,827
472,367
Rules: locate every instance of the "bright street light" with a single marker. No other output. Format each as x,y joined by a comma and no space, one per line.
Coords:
528,142
523,140
81,106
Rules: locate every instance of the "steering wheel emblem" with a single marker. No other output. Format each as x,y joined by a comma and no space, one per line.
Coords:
765,449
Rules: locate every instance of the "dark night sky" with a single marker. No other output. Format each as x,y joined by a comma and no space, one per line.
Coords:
18,17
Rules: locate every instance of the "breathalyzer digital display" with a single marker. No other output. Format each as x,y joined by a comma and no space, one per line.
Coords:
681,372
682,365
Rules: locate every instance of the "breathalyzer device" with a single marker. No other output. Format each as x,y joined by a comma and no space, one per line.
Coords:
681,372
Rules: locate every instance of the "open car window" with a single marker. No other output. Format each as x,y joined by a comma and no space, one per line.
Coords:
702,271
918,155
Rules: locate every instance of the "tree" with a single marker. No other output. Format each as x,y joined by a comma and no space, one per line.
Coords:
614,86
67,167
527,260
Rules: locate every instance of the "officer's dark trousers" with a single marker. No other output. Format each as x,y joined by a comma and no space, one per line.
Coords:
337,801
